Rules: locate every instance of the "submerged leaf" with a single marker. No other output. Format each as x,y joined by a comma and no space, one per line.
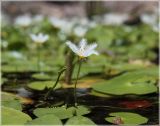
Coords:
136,104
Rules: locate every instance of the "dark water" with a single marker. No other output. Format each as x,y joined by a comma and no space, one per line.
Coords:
100,106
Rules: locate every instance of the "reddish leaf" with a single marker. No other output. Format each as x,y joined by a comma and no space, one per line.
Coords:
136,104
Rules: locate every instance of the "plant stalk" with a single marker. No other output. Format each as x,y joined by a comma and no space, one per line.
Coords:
51,89
38,57
75,86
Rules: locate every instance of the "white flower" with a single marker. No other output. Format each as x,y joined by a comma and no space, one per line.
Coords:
64,25
23,21
59,23
4,44
40,38
80,31
38,18
115,19
150,19
83,50
16,54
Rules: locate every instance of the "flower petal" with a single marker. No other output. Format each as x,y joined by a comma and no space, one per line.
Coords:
33,37
90,49
72,46
82,43
88,53
91,46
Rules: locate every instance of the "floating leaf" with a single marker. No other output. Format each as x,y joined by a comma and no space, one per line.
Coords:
41,85
114,69
95,93
137,82
8,68
3,80
12,104
80,120
10,100
49,119
41,76
62,112
127,118
84,83
12,116
10,97
87,69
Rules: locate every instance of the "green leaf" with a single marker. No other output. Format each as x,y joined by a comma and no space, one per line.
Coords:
8,96
95,93
79,120
12,104
49,119
41,85
41,76
138,82
62,112
10,100
12,116
8,68
3,80
127,118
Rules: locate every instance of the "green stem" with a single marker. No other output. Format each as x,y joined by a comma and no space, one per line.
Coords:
51,89
75,86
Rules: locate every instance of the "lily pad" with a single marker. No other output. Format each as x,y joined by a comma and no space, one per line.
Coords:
12,116
3,80
95,93
8,68
12,104
127,118
41,85
138,82
62,112
41,76
10,100
5,97
8,96
49,119
87,69
79,120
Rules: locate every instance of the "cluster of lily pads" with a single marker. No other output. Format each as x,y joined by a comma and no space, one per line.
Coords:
126,52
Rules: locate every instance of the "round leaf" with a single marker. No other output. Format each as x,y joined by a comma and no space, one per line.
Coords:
127,118
138,82
79,120
41,85
62,112
12,116
41,76
49,119
12,104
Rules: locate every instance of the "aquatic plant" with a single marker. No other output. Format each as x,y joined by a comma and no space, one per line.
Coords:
39,39
82,50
